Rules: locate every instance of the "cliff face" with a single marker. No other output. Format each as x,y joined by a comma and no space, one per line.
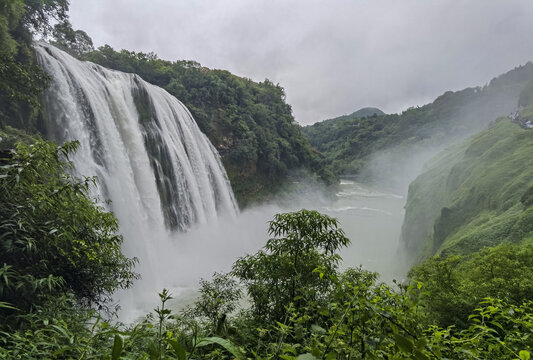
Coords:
477,193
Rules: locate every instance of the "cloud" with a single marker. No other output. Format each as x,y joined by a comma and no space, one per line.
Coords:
332,57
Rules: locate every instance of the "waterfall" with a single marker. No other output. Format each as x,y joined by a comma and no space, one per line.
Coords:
159,171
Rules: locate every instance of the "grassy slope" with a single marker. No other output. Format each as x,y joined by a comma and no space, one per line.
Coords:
470,195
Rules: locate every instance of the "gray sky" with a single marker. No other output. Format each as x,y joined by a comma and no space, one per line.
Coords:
331,56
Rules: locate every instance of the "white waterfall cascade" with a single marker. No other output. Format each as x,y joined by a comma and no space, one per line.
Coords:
153,163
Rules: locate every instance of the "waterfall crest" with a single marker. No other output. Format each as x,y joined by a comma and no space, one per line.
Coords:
151,159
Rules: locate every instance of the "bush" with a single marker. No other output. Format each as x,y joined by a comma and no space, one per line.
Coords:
54,238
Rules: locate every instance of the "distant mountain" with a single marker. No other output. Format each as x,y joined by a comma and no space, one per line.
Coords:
349,141
366,112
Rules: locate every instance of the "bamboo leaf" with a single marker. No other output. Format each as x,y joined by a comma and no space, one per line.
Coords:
178,349
118,346
226,344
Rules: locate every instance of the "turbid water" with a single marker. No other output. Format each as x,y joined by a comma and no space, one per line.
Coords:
372,219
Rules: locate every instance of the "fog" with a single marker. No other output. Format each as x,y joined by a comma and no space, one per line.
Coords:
370,217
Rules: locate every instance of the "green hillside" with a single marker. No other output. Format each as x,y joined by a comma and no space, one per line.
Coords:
475,194
349,141
367,111
468,224
363,112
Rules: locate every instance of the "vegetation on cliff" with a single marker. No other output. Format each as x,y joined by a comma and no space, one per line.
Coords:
474,194
469,223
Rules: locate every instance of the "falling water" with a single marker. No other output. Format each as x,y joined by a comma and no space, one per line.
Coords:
153,163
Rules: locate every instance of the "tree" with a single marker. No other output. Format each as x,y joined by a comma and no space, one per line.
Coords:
76,42
54,238
458,284
21,82
218,298
39,13
284,272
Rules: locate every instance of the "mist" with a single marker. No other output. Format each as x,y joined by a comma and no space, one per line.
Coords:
370,217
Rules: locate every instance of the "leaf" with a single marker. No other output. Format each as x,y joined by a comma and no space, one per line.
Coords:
524,355
403,343
5,305
118,346
178,349
226,344
419,355
306,356
318,329
62,331
332,355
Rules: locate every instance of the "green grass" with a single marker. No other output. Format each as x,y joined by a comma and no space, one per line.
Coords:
469,195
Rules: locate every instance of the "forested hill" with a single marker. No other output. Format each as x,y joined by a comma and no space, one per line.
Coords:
249,123
348,141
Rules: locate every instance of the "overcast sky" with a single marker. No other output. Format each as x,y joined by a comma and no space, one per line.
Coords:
331,56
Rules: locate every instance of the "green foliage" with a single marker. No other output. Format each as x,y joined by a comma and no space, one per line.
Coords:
348,141
458,284
472,195
218,298
355,317
284,272
54,238
249,123
21,81
496,330
76,42
39,14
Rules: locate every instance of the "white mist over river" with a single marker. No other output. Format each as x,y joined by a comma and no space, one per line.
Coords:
371,218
